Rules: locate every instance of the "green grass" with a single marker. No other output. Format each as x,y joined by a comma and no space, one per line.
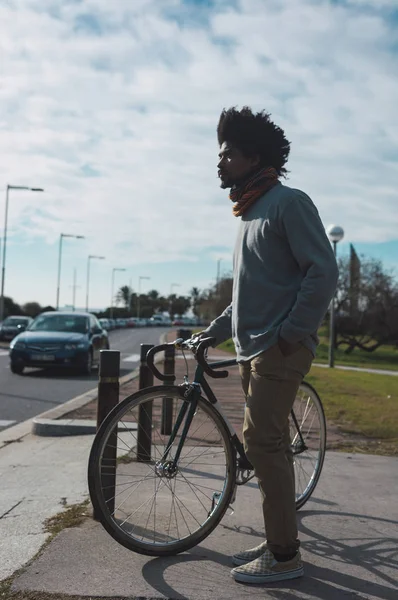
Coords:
385,357
364,406
361,403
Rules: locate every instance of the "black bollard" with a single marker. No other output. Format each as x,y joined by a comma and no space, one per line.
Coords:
167,403
108,398
144,433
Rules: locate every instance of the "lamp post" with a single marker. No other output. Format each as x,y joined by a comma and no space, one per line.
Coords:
218,271
3,271
61,237
113,282
74,288
90,257
335,234
140,278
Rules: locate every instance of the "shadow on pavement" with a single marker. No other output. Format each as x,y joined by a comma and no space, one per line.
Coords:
371,554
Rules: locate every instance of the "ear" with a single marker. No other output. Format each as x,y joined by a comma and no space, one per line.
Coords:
255,160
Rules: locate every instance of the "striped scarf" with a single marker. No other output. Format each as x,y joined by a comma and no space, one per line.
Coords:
245,195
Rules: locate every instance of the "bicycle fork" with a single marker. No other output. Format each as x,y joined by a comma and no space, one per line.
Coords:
192,393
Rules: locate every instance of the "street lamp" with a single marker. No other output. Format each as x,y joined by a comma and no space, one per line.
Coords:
335,234
61,237
74,288
3,272
218,271
140,278
90,256
172,286
113,282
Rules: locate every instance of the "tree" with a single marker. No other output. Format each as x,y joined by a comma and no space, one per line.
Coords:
370,320
123,296
178,305
11,307
195,298
32,309
214,300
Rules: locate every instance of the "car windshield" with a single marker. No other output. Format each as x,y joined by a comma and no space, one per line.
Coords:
15,321
74,324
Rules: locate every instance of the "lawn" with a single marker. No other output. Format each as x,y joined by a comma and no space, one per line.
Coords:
363,406
385,357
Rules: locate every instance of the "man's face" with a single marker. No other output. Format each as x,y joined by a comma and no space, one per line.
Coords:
234,167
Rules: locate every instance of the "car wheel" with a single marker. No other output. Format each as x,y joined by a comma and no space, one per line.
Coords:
17,367
88,367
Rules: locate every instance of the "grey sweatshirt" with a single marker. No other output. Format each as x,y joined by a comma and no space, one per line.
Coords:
285,275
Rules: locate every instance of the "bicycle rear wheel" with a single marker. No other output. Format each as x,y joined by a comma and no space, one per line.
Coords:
309,449
150,507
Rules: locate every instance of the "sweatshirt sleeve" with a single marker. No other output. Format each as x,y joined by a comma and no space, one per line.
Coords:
221,327
314,255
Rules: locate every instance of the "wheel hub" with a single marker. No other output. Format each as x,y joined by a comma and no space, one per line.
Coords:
167,469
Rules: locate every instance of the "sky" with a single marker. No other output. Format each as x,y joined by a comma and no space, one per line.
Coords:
112,108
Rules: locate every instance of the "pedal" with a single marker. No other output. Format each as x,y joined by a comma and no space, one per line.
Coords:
244,463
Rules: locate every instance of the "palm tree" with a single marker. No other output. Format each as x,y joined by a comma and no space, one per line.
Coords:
123,296
195,299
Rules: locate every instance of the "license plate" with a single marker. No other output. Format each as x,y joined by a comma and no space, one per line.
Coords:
42,357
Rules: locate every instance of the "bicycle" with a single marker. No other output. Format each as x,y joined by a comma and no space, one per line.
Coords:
165,464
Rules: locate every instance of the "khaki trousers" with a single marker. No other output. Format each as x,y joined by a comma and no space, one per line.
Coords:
270,382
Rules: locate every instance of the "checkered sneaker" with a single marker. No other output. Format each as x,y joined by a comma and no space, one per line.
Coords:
266,569
242,558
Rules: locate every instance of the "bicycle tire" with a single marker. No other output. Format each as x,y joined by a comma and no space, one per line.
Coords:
94,474
307,389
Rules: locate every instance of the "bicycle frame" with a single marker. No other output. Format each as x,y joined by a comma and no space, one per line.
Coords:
194,391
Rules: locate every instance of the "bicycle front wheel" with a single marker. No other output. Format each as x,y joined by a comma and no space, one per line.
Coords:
308,441
146,502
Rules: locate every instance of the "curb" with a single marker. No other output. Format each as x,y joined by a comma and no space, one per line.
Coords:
51,424
66,427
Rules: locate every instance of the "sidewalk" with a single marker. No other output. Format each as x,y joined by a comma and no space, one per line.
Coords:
349,529
349,535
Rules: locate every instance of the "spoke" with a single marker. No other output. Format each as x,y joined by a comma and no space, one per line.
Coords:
199,490
197,456
205,487
129,496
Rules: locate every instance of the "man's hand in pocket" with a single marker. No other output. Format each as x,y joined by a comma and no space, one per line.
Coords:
287,348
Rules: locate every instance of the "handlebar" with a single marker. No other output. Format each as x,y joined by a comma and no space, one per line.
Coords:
150,361
198,349
200,357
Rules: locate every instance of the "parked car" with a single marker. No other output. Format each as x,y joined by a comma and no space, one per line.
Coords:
11,326
105,324
131,322
112,324
121,323
159,321
59,339
142,322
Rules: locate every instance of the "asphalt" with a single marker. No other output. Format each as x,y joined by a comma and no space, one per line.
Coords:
38,390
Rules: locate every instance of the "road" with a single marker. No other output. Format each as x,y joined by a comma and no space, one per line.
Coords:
37,390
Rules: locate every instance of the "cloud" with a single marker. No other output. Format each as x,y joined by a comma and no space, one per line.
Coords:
112,108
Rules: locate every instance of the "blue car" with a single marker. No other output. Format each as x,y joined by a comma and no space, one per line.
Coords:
59,339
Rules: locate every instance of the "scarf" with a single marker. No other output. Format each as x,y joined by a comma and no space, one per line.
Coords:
252,189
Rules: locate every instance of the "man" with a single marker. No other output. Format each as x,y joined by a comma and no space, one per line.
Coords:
285,275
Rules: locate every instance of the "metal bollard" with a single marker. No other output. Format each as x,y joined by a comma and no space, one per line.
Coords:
185,334
108,398
167,403
144,433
